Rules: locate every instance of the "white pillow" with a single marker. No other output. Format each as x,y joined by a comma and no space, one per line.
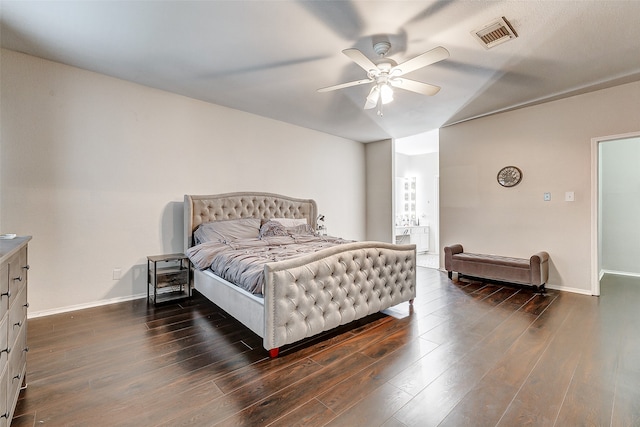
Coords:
290,222
230,229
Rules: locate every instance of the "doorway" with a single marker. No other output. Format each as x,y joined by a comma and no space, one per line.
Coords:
615,179
416,196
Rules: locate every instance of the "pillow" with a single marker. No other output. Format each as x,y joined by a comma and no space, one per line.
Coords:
230,229
272,228
290,222
304,229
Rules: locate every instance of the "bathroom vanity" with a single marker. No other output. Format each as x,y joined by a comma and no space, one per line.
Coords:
413,234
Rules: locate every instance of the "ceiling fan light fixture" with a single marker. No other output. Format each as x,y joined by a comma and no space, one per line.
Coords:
380,92
372,98
386,93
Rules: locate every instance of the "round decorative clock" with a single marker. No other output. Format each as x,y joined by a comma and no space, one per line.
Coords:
509,176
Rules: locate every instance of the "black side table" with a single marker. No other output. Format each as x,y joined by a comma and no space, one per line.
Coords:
168,277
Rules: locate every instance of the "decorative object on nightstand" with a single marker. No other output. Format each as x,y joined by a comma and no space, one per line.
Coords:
509,176
168,277
13,323
322,229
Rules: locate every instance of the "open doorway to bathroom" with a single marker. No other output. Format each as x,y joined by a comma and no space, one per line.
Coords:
416,195
615,203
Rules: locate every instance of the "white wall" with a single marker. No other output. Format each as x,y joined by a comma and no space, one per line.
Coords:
379,191
95,168
620,201
551,144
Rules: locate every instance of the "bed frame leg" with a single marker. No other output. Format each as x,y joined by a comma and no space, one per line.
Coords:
273,353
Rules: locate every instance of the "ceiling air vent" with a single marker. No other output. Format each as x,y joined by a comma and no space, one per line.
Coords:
495,32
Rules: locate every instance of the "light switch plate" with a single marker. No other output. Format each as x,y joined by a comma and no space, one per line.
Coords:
547,197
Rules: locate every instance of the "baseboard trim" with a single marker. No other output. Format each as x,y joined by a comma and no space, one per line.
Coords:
34,314
618,273
569,289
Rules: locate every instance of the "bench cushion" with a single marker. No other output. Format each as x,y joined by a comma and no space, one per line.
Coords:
492,259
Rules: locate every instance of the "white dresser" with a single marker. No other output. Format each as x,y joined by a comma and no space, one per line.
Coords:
417,235
13,326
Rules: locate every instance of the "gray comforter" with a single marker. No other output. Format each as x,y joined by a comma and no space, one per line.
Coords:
242,261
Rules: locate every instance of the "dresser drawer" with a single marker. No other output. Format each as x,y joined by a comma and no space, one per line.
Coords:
17,368
4,289
4,342
17,274
4,404
17,315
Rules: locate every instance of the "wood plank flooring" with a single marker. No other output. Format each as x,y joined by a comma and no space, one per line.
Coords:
467,354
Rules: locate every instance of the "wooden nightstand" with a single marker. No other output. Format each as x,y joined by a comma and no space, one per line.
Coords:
168,277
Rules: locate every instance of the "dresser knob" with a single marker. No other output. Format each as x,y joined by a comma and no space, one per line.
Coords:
7,350
17,324
26,267
7,294
17,377
19,278
26,305
26,349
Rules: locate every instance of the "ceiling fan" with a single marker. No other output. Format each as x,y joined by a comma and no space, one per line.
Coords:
387,74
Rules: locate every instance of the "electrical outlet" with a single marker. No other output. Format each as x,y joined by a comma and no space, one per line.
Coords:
569,196
547,197
117,274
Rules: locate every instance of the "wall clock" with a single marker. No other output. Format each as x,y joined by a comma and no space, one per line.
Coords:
509,176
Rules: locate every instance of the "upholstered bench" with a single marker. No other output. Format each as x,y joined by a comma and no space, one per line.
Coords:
533,271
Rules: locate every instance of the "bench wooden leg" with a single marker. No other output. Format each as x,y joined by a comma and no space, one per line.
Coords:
450,274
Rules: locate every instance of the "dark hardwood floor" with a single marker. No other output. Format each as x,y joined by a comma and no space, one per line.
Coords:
469,353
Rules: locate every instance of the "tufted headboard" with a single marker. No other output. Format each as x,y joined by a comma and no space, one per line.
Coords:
201,209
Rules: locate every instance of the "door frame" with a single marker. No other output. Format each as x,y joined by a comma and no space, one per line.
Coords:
595,206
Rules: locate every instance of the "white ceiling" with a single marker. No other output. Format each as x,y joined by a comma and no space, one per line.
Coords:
422,143
269,57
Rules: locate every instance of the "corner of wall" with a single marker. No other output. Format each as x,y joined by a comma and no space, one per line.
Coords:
379,190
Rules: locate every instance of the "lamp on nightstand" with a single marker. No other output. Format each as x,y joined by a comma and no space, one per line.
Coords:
322,229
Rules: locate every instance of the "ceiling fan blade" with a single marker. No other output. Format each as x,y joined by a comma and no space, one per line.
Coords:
414,86
430,57
359,58
343,85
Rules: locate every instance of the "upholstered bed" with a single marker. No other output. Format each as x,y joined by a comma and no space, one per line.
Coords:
308,294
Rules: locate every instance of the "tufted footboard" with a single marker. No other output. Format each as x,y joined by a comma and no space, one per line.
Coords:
315,293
